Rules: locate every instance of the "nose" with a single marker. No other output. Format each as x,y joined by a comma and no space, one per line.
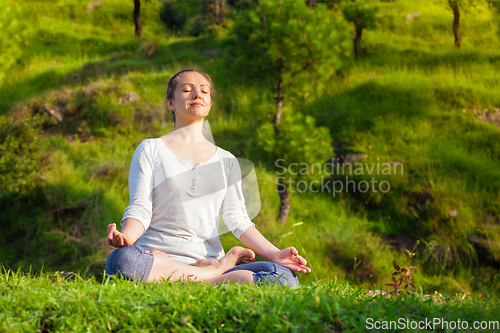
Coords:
197,93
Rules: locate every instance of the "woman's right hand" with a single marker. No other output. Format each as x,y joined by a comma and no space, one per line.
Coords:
116,238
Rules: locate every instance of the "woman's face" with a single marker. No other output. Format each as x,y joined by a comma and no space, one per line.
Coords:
192,98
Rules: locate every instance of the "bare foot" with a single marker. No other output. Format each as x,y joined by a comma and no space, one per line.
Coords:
236,256
206,262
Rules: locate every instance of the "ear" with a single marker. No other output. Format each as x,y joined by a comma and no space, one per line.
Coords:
170,104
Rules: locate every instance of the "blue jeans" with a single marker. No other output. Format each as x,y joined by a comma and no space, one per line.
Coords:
266,272
133,263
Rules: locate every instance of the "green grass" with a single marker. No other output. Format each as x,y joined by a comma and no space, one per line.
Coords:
62,184
50,303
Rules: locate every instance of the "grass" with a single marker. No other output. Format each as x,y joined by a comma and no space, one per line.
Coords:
51,303
62,184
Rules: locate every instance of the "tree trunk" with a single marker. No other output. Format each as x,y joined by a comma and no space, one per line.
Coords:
222,18
282,188
285,203
137,18
456,23
279,98
216,11
357,44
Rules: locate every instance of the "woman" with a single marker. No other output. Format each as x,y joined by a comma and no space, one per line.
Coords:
178,184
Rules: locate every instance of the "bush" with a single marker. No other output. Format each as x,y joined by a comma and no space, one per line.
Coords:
184,17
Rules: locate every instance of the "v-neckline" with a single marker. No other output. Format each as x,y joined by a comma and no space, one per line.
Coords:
186,162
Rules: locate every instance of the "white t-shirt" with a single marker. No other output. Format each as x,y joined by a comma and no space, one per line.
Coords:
179,205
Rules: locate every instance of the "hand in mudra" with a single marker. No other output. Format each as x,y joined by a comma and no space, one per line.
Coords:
116,238
291,259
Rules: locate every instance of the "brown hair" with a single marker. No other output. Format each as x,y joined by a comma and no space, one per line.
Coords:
172,84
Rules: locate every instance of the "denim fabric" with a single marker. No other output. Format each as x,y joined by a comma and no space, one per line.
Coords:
269,272
131,262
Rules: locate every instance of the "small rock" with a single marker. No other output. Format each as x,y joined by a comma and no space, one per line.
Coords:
410,17
353,158
52,111
211,53
453,213
488,117
128,98
92,89
93,5
396,163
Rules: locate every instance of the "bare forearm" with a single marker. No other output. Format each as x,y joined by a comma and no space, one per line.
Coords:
132,228
258,243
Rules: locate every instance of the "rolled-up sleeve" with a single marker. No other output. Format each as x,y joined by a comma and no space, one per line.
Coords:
140,184
234,212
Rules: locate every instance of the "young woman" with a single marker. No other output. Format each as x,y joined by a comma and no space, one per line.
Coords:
178,185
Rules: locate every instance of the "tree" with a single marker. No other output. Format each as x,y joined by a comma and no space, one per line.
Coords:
137,18
296,48
218,11
464,5
298,153
363,15
456,23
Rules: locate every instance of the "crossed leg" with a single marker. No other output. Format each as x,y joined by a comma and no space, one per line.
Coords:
210,272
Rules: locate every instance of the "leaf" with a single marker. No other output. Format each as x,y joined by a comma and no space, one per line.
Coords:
393,279
396,266
395,273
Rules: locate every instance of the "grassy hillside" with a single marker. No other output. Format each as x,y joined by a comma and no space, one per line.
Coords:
410,99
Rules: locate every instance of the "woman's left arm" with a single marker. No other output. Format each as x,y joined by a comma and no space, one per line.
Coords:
288,257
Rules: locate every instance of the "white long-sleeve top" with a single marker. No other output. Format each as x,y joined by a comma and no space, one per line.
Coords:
179,205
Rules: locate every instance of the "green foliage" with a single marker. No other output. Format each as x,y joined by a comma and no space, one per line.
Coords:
185,17
362,13
401,278
20,150
14,38
311,44
300,142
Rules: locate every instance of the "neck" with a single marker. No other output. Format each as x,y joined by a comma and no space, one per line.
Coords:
189,131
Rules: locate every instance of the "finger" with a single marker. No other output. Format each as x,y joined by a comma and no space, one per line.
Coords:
111,226
126,241
302,260
117,238
111,229
293,251
120,237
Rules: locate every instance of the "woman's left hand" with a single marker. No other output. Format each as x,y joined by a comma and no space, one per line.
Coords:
291,259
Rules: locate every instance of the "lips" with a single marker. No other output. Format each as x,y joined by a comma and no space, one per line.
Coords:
196,104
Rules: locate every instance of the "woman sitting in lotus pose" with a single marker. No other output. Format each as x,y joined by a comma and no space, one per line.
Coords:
178,184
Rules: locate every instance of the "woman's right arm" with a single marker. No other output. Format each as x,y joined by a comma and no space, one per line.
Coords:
139,212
